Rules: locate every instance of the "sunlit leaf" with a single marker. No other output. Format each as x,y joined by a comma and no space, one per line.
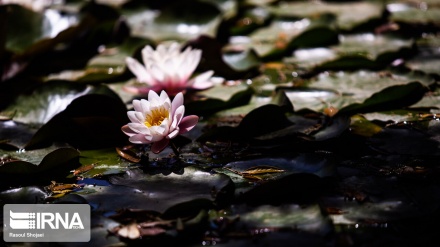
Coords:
348,15
159,192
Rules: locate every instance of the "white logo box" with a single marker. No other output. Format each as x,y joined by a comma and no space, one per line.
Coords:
46,222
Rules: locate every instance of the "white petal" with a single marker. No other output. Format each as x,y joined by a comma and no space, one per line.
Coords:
138,70
177,101
137,105
133,118
138,128
173,134
140,116
153,98
178,115
157,74
139,139
145,106
164,96
147,54
202,78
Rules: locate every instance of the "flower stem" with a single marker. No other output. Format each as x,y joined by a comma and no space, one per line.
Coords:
174,147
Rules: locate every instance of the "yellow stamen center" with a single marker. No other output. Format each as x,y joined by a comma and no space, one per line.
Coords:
156,117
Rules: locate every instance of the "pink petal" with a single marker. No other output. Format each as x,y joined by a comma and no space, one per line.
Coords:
157,147
188,123
128,131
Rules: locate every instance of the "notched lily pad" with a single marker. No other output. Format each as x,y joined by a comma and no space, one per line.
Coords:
24,167
50,99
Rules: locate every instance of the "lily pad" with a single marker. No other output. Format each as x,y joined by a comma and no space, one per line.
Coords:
374,47
312,163
24,27
409,139
28,162
50,99
105,162
15,133
212,105
340,89
305,219
349,15
390,98
23,167
182,21
24,195
159,192
404,13
89,121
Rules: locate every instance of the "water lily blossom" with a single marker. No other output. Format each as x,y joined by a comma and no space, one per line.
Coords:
157,120
169,69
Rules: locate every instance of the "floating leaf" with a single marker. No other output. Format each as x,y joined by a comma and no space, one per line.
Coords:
159,192
175,21
349,15
211,105
50,99
390,98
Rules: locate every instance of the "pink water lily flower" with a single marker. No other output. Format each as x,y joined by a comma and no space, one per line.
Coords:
169,69
157,120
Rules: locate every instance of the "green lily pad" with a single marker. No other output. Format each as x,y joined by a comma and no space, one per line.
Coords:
284,35
33,161
158,192
113,57
25,195
390,98
50,99
15,133
24,28
417,139
340,89
373,47
212,105
308,58
90,121
349,15
416,16
213,58
385,201
312,163
306,219
27,167
106,162
182,21
428,59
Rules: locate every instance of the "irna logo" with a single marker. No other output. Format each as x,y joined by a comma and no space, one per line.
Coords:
44,220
